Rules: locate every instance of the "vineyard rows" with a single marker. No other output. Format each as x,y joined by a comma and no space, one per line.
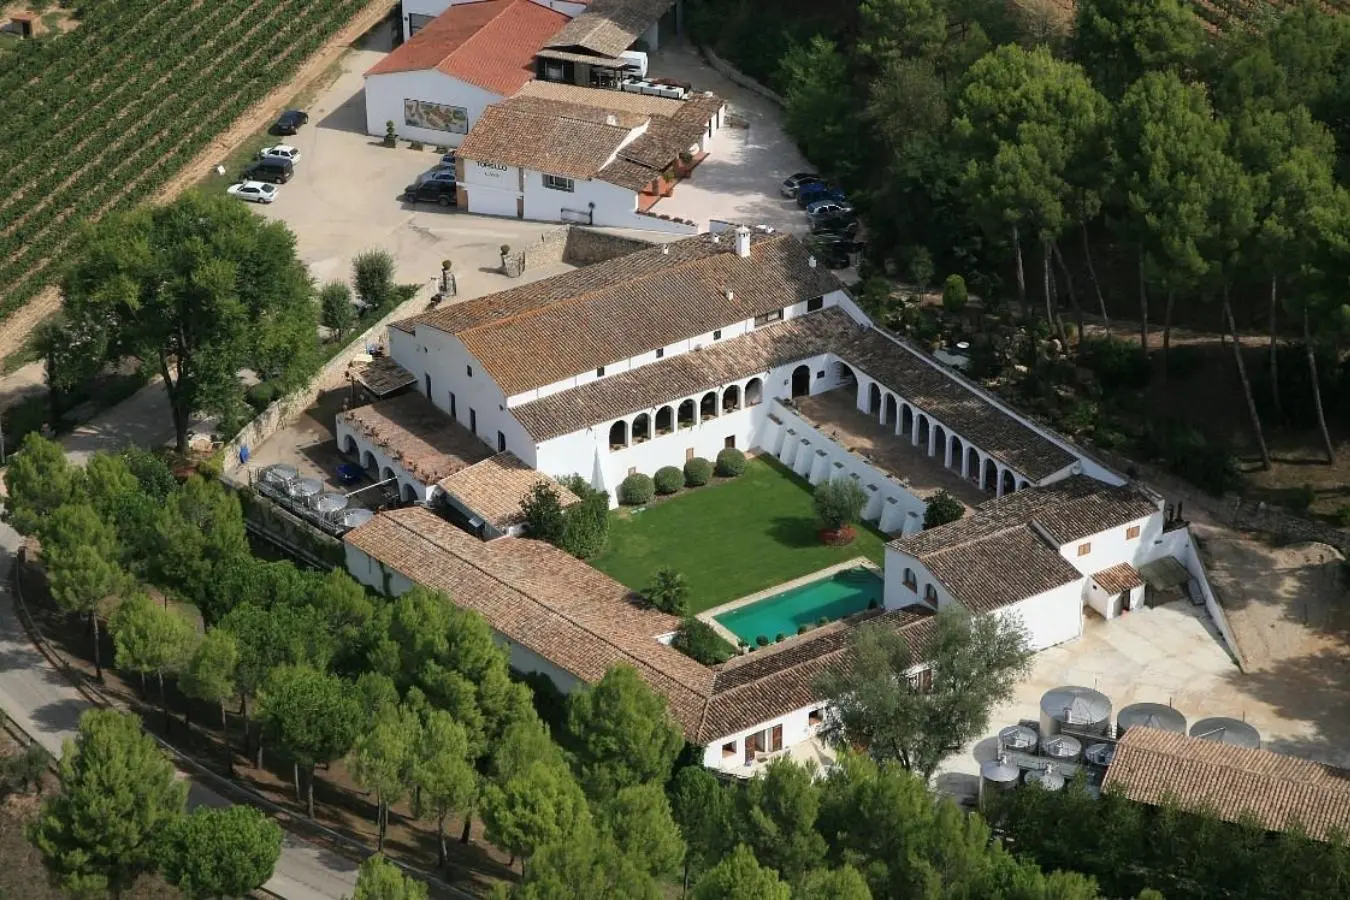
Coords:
95,121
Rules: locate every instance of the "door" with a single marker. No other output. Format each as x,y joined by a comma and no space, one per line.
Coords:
428,378
776,739
520,207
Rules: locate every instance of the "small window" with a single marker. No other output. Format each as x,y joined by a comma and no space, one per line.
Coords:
729,750
468,370
910,581
1132,532
930,594
632,470
660,352
815,303
717,335
599,371
452,406
775,316
688,453
730,442
1085,548
558,183
473,421
815,717
501,442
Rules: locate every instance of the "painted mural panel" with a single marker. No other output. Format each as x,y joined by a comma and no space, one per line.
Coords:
435,116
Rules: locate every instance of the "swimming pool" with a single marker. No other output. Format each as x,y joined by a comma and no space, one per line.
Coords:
844,593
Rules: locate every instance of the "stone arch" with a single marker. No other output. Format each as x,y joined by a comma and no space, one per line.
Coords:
1008,483
731,398
349,445
665,420
990,480
873,399
906,419
685,414
940,442
846,375
754,392
386,473
1023,484
409,493
642,428
368,462
888,410
707,407
923,431
958,454
801,381
618,435
972,467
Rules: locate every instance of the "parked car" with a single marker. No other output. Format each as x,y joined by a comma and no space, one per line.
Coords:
448,160
793,183
835,249
281,151
823,209
289,122
445,176
270,168
253,191
814,193
841,224
430,191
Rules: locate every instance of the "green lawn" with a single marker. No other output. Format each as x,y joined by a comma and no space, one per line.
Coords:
729,539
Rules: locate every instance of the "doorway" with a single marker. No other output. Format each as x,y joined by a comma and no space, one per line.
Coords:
801,381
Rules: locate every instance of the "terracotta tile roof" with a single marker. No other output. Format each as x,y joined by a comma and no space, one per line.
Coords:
619,101
542,598
609,27
1118,579
495,488
553,329
999,569
565,141
426,442
490,44
682,375
639,163
1153,766
381,375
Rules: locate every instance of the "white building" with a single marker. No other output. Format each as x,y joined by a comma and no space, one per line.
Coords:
561,153
435,86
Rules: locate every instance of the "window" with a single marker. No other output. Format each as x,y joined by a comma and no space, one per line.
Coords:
1085,548
730,442
717,335
688,453
660,352
815,303
599,371
632,470
815,717
473,421
453,415
921,681
1132,532
775,316
468,370
729,750
428,378
558,183
435,116
910,581
930,594
501,442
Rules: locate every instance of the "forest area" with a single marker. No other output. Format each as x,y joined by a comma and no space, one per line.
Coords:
1118,174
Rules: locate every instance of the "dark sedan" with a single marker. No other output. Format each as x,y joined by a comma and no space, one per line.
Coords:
289,122
442,192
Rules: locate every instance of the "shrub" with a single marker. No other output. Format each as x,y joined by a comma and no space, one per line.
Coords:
730,462
781,637
335,308
761,641
668,592
261,395
823,620
1301,498
1118,365
803,629
373,273
697,472
585,524
954,294
636,489
668,480
542,508
416,145
839,502
697,640
942,508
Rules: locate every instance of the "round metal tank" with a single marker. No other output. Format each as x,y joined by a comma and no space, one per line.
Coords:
279,474
997,775
1062,748
329,504
353,517
1100,754
1224,730
1018,737
1049,779
1081,708
304,488
1150,715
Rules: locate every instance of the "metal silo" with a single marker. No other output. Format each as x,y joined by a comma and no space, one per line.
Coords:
1223,730
997,776
1150,715
1080,708
1048,779
1100,755
1017,737
1062,748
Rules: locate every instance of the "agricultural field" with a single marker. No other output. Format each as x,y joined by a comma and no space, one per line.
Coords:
95,120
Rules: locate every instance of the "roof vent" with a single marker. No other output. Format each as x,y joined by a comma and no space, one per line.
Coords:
611,119
731,295
716,239
665,249
811,261
742,241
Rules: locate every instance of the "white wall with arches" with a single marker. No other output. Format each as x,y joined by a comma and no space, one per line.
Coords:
380,465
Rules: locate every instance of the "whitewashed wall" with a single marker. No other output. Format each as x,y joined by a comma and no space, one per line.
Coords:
491,189
897,596
1052,617
796,728
383,461
1112,547
385,95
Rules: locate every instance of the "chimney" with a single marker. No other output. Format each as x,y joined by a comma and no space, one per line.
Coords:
742,241
611,119
811,261
731,295
665,249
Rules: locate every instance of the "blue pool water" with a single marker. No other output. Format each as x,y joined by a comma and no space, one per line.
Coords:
842,594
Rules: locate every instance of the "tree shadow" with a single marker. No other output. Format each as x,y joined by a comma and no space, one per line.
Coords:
795,531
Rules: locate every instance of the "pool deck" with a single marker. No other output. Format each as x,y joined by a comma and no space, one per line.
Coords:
819,575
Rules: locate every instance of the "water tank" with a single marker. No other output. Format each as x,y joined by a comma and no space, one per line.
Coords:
1062,748
997,775
329,504
303,489
1150,715
1048,779
278,475
1019,738
1224,730
1081,708
1102,754
354,517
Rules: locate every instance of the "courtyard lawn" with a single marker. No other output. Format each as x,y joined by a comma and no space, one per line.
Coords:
729,539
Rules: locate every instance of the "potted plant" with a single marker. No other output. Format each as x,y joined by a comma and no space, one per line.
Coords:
839,503
390,135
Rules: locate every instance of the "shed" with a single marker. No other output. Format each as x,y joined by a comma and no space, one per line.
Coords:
1165,579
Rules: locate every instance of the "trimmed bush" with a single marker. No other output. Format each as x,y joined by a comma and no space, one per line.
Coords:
839,502
697,472
730,462
781,637
954,294
697,640
942,508
761,641
636,489
668,480
822,621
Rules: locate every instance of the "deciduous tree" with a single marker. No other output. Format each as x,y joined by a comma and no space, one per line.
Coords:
314,717
443,773
212,677
336,311
543,513
152,640
221,852
380,879
539,805
622,733
81,553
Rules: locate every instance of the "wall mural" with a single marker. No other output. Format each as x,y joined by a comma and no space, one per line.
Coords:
436,116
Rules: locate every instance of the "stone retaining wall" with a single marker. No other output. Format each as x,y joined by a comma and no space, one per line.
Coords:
573,245
734,74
